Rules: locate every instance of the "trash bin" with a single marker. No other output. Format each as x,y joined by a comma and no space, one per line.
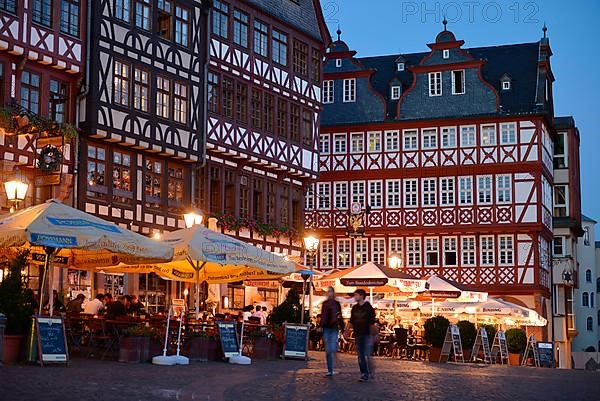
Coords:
2,324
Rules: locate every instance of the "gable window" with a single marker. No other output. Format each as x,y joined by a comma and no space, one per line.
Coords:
339,143
560,200
143,14
141,89
261,31
393,193
121,83
431,252
59,92
467,136
343,252
42,11
340,195
429,139
435,84
392,141
357,142
213,92
450,258
375,194
220,16
324,144
300,58
445,54
486,244
240,28
468,251
358,193
413,252
411,192
279,47
506,84
180,96
448,137
374,142
163,96
506,250
488,135
69,17
338,62
558,246
349,90
484,189
395,92
410,139
508,133
458,82
323,195
560,156
399,66
503,189
8,5
447,191
328,91
182,26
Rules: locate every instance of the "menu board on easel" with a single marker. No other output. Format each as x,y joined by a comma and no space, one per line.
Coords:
531,348
482,343
546,354
51,340
499,347
229,339
296,341
452,344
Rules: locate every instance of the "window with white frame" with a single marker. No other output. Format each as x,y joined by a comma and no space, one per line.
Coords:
358,192
448,137
410,139
431,252
503,188
561,200
375,194
413,252
447,191
411,192
506,85
399,66
357,142
340,195
360,251
506,249
339,143
484,189
323,195
395,91
558,246
450,251
396,249
429,192
338,62
309,198
468,251
378,250
560,154
435,84
326,253
374,142
458,82
467,136
328,87
393,193
429,139
349,90
486,248
488,135
508,133
392,141
324,144
446,54
465,190
343,252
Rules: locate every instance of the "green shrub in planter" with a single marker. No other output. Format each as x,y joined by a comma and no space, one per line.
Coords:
516,340
468,333
435,330
15,299
491,332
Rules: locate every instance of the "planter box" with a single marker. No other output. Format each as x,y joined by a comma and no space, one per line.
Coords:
134,349
434,354
203,349
514,359
266,348
12,348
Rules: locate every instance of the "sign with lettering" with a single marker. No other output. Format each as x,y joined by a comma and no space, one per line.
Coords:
452,345
546,354
41,258
296,341
51,340
500,348
364,282
229,339
482,344
177,306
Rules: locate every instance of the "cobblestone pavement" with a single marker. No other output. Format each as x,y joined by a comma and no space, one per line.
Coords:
292,380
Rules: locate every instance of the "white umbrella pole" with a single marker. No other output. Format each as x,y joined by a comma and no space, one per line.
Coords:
371,294
47,264
197,293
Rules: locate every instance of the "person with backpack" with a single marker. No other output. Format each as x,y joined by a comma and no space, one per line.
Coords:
331,316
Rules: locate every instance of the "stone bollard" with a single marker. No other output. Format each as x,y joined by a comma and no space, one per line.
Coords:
2,324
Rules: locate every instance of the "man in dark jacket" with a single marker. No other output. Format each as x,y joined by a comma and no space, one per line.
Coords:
362,319
331,315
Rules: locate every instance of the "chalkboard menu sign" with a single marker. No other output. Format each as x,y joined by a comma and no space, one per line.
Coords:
546,354
452,343
296,341
229,340
51,339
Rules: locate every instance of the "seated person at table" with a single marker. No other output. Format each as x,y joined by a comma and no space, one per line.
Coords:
247,312
74,305
95,305
57,305
259,314
136,307
117,309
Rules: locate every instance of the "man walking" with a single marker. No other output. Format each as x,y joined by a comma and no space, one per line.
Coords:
362,319
331,315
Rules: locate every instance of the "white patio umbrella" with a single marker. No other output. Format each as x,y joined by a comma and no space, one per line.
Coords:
61,230
440,289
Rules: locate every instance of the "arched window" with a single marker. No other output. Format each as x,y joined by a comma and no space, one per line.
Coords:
585,299
591,299
588,276
590,324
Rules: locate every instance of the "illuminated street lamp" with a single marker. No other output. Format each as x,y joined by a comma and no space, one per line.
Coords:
394,261
192,218
311,245
16,190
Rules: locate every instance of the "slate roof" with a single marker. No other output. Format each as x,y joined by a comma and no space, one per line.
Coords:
564,122
298,13
519,61
588,219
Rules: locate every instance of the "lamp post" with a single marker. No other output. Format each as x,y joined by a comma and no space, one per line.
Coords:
394,261
311,245
16,190
192,218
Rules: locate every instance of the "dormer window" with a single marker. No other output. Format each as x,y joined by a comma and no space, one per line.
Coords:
338,62
505,82
446,54
506,85
395,90
400,66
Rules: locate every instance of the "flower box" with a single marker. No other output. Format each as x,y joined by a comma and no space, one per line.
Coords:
203,349
134,349
266,348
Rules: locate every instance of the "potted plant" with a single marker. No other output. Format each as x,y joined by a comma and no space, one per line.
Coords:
268,343
16,303
435,332
134,344
468,333
203,346
289,311
516,341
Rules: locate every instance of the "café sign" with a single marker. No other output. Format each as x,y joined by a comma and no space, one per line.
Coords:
364,282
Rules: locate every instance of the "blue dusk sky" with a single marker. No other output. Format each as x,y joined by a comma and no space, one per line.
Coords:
379,27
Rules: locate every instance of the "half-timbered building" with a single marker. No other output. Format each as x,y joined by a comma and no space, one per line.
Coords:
444,158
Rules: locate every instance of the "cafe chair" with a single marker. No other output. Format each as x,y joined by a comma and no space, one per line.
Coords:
400,343
101,339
